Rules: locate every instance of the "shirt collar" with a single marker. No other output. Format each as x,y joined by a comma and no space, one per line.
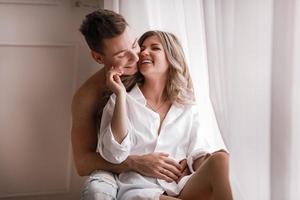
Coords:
174,112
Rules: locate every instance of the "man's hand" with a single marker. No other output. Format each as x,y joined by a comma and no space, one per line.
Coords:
113,81
157,165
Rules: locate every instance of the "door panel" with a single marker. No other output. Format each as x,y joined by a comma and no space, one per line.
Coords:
42,58
36,86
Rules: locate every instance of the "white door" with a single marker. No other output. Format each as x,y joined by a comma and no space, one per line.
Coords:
39,48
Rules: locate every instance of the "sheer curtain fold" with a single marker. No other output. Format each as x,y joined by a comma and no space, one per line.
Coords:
217,39
294,184
215,36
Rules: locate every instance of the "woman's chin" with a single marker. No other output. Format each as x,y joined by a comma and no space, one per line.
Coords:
143,70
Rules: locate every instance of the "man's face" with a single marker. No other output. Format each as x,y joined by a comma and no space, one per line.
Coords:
121,52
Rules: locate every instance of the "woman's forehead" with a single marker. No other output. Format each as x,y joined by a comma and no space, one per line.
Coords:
153,39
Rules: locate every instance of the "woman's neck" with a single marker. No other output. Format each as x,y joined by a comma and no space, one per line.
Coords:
153,90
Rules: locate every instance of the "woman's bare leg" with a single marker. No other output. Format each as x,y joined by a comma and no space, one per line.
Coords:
210,181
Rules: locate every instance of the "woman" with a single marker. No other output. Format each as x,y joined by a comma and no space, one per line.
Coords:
159,115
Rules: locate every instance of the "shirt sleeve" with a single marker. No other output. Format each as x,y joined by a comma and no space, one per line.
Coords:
205,138
108,147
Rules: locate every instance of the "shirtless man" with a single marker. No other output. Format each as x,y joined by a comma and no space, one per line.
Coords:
112,44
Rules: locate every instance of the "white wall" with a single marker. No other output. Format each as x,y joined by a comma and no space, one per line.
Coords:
86,65
43,59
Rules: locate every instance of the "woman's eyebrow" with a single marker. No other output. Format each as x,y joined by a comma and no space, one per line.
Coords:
153,44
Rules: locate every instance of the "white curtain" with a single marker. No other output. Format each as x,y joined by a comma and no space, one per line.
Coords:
254,69
295,150
239,37
217,17
286,128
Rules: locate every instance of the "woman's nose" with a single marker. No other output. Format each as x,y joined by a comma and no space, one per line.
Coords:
144,53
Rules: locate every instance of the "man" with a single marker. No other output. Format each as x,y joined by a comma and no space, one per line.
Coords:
112,44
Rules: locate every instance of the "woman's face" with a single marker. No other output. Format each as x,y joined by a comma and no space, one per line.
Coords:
153,59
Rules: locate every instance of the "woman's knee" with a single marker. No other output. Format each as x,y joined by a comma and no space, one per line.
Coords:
219,158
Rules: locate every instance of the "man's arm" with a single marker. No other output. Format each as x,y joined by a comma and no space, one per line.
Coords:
84,136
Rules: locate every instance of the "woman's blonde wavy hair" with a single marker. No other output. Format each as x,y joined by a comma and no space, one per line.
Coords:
179,87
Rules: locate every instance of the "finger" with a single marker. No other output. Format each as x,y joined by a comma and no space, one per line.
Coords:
164,177
163,154
183,164
119,74
114,71
185,172
172,162
117,79
110,74
120,70
169,174
172,169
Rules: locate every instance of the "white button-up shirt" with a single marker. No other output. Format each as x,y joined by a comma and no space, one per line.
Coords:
181,136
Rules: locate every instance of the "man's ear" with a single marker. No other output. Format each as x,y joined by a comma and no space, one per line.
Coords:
97,57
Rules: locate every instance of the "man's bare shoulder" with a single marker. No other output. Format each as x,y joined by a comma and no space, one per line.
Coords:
88,96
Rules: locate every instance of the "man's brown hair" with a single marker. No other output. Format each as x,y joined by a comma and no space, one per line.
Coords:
102,24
